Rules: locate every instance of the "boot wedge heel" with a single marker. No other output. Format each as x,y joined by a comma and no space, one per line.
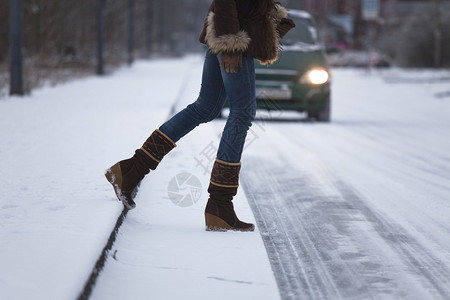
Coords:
214,223
114,176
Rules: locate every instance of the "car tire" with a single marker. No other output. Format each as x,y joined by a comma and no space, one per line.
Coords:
323,115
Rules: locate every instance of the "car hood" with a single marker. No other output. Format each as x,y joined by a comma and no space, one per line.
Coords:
292,59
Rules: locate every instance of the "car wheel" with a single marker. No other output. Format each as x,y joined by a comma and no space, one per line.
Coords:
323,115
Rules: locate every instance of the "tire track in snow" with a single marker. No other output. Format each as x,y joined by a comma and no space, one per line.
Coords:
325,242
435,274
298,241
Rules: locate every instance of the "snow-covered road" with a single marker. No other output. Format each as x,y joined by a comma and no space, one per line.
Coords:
359,208
355,209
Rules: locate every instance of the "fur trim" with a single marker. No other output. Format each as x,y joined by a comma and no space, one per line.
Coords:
268,62
275,17
278,13
274,44
227,42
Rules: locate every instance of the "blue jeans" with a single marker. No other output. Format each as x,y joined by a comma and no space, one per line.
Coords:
217,85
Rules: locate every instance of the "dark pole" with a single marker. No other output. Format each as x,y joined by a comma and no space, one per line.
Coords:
148,26
130,31
437,35
100,37
15,36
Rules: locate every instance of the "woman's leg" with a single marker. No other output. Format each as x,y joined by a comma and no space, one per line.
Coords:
240,89
126,175
206,108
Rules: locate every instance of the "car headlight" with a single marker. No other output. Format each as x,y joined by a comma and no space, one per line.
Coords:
315,76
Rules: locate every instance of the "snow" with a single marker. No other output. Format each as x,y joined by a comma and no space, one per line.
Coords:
371,190
57,209
360,204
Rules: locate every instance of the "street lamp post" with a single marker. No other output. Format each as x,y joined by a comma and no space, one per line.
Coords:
148,26
100,37
437,35
130,31
15,35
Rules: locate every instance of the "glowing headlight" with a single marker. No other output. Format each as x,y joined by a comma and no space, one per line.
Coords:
315,76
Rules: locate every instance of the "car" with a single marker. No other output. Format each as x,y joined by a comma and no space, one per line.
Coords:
299,80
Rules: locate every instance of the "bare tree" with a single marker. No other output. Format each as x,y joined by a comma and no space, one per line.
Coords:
410,42
60,36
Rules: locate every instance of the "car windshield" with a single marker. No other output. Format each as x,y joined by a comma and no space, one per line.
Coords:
304,32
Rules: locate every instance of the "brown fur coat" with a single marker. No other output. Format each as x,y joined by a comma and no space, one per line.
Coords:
235,26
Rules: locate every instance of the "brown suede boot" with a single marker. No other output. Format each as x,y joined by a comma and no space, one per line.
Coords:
219,212
126,175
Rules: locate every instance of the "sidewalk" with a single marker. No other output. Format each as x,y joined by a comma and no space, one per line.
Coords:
57,210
